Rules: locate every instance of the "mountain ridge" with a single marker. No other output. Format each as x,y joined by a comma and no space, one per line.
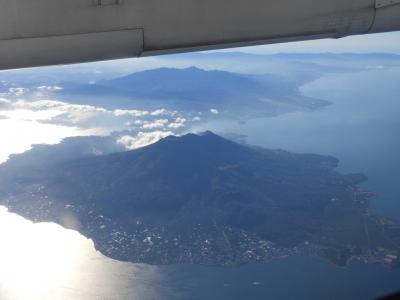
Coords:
200,198
195,89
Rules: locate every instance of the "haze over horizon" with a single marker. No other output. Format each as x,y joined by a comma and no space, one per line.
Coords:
372,43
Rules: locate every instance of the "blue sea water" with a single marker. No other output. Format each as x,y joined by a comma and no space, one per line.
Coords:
361,128
289,278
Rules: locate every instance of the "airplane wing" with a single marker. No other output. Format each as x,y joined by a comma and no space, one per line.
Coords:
48,32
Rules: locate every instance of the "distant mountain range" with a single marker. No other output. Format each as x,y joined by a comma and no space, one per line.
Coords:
237,84
291,56
194,89
178,85
202,199
72,75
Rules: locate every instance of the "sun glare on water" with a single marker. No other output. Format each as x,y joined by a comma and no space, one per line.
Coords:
35,258
45,261
20,129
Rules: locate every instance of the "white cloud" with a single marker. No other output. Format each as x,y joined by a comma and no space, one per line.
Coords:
30,115
179,123
96,120
142,139
214,111
196,119
157,124
4,101
139,122
17,91
132,113
44,88
163,112
58,105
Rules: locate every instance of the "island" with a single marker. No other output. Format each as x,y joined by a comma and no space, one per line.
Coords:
202,199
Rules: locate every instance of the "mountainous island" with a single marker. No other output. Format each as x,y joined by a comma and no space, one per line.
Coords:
201,199
195,89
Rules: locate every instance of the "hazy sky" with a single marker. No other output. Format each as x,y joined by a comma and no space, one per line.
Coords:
383,42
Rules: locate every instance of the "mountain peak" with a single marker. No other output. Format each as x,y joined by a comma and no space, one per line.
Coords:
207,132
196,192
203,141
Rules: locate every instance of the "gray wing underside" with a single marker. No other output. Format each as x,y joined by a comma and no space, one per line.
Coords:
49,32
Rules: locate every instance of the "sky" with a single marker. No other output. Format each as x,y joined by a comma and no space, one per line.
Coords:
381,42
